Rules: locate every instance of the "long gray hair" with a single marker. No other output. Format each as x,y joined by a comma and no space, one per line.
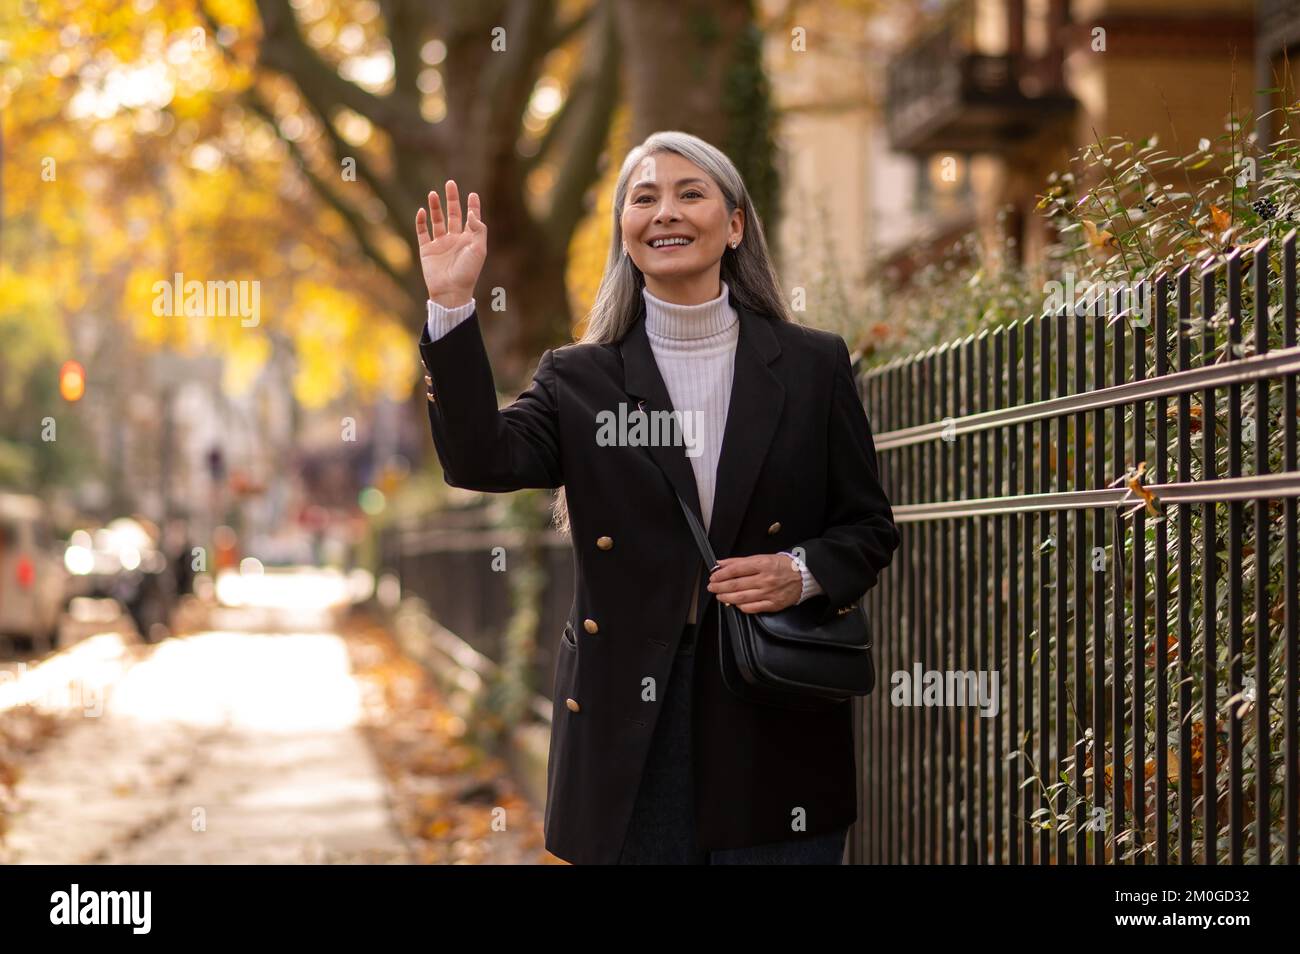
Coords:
747,269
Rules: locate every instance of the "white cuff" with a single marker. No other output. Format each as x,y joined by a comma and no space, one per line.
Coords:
811,587
442,319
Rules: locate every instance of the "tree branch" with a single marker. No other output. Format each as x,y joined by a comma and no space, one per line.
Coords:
392,194
572,103
285,50
350,215
564,32
507,81
598,100
409,25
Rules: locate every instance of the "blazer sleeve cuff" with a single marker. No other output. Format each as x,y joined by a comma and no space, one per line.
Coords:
442,319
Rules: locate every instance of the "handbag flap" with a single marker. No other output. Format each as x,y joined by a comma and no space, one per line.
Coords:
848,629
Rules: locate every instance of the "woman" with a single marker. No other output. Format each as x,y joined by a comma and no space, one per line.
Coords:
652,759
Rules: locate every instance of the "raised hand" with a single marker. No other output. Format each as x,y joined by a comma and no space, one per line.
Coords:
451,257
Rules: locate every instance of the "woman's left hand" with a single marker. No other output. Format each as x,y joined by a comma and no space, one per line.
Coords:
763,583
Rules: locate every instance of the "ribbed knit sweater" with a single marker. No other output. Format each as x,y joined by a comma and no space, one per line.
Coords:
695,350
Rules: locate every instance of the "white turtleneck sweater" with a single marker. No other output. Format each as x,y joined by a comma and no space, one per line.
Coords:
695,350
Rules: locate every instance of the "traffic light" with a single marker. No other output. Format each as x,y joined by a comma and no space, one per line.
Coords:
72,381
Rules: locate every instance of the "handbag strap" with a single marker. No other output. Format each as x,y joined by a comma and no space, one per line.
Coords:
697,531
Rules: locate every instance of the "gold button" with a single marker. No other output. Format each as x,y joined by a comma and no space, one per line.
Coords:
432,399
590,625
428,381
774,529
605,542
572,704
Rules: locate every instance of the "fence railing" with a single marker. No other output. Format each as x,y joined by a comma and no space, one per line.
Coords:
449,562
1098,509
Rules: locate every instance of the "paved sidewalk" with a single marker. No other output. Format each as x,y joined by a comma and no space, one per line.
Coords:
221,747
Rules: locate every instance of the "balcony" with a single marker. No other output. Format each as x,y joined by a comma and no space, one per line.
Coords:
945,95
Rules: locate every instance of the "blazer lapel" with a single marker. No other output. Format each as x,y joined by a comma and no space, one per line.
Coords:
757,397
754,409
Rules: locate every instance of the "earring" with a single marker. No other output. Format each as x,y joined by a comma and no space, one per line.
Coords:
735,243
624,248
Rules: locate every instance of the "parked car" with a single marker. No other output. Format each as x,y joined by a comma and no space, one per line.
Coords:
122,561
33,581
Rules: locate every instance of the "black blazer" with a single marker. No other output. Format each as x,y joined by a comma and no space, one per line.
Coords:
797,469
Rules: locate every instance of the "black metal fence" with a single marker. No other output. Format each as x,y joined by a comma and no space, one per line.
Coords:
454,562
1105,519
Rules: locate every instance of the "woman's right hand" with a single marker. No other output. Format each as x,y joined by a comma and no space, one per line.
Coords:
451,258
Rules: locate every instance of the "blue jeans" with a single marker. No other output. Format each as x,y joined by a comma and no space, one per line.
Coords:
662,828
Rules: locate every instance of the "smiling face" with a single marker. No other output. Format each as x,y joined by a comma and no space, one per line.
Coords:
676,227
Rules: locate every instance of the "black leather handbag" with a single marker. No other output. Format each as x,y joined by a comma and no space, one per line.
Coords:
789,658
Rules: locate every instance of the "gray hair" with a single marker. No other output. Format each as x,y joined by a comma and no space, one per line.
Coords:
747,269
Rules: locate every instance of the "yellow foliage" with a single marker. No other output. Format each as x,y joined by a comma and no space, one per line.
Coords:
337,339
101,208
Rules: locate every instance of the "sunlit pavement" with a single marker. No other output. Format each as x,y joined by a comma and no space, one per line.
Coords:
229,746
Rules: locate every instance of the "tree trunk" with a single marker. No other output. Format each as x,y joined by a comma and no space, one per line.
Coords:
697,67
677,57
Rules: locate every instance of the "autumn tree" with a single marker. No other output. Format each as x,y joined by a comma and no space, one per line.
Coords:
513,99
